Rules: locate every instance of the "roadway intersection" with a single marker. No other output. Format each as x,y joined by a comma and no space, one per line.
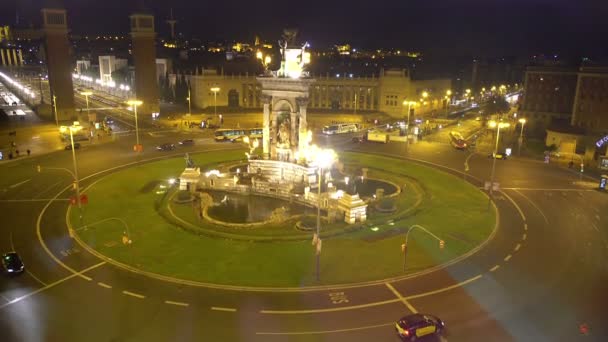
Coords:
540,278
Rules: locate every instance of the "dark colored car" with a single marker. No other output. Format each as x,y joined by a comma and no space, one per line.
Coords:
69,146
357,139
165,147
186,142
12,263
413,327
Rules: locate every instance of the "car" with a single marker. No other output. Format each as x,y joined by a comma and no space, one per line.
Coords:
11,262
357,139
165,147
498,155
186,142
69,146
108,120
414,326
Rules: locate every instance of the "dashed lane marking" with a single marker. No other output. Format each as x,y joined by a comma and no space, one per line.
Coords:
104,285
176,303
595,227
508,257
133,294
327,331
517,247
494,268
398,295
20,183
525,226
524,237
219,308
76,274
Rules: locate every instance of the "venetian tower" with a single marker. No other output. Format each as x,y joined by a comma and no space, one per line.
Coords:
144,58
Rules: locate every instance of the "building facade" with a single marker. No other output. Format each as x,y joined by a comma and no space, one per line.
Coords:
384,93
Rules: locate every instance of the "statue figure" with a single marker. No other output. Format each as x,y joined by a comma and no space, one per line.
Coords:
283,135
189,161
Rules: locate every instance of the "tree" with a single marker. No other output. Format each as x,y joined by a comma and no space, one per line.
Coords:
497,104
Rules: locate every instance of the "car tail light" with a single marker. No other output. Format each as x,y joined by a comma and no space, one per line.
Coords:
406,332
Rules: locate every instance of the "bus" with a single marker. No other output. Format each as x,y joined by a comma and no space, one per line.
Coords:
457,140
233,135
340,128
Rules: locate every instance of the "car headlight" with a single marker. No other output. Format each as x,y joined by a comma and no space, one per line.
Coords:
10,270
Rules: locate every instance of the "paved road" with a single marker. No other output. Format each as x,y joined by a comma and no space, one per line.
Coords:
538,279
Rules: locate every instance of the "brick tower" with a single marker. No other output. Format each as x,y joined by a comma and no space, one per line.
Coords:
144,58
58,59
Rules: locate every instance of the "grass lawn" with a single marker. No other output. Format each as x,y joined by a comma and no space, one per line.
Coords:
454,210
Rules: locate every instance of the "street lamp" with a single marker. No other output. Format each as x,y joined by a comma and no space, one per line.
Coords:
86,95
55,110
498,126
522,121
135,104
323,159
189,102
409,105
215,90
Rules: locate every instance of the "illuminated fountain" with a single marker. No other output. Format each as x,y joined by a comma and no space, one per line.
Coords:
290,167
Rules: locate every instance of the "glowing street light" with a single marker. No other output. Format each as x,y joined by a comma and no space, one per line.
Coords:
498,126
322,159
135,103
189,102
215,90
425,94
522,121
86,95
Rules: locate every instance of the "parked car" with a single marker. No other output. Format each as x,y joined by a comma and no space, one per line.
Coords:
69,146
165,147
498,155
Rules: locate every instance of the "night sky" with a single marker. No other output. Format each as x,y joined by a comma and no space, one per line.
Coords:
455,27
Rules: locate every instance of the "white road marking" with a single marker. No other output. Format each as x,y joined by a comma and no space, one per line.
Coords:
132,294
10,237
176,303
20,183
3,297
535,206
35,200
398,295
494,268
76,274
104,285
517,247
516,206
218,308
508,257
541,189
327,331
595,227
524,237
525,226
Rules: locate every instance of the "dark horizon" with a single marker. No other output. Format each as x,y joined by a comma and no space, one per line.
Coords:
466,27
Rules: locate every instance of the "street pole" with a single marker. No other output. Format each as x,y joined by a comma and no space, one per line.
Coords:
76,174
86,97
215,104
136,125
521,137
55,109
318,253
494,159
189,103
355,103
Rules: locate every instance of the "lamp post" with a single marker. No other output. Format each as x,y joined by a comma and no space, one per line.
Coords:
86,95
323,159
215,90
189,103
76,181
520,141
134,104
448,95
498,126
55,110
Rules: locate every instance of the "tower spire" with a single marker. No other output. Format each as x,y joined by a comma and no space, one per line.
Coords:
171,21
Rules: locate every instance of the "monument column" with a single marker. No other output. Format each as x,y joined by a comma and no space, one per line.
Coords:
303,129
266,126
58,61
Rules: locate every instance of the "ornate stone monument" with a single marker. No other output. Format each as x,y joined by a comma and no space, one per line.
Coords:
285,99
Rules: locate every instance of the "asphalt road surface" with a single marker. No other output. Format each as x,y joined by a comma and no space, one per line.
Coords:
543,276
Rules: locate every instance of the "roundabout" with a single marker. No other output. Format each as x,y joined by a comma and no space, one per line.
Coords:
169,239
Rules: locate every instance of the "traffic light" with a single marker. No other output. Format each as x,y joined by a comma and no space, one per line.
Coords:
441,244
39,168
403,248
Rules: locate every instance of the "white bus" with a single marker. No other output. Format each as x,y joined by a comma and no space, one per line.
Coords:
226,134
340,128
